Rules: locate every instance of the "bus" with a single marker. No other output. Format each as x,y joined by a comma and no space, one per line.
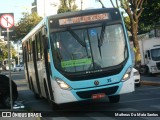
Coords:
82,55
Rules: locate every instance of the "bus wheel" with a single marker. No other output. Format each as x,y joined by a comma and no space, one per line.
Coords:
37,96
46,90
54,106
32,88
114,98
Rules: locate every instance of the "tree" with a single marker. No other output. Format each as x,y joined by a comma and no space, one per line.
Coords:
101,3
134,9
26,23
67,6
4,51
151,11
127,22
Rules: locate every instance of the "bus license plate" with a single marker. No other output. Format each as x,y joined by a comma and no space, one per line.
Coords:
98,96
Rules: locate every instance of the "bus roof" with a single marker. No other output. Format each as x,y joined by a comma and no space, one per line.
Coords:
82,12
69,15
90,16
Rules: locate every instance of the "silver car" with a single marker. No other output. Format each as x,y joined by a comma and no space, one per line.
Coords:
18,68
136,76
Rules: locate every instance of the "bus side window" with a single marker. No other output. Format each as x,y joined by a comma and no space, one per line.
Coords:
27,51
30,50
36,47
40,42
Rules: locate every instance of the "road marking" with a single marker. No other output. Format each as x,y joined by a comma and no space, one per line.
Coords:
148,88
127,109
157,106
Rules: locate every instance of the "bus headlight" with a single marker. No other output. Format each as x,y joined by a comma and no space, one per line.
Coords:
127,74
62,84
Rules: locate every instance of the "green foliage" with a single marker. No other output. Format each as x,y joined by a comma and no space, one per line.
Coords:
26,23
4,51
150,15
127,23
67,6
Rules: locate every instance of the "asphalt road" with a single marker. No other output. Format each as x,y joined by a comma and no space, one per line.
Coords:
145,99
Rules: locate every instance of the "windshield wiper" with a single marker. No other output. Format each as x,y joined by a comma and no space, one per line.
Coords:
102,34
101,38
77,37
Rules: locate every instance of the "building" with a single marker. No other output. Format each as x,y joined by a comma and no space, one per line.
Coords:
50,7
45,7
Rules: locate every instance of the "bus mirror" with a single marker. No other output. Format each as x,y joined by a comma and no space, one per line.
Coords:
44,30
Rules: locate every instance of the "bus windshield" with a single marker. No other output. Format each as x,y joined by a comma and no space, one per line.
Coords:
76,50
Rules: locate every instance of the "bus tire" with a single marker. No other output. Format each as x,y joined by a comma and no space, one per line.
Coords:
46,90
37,96
114,98
32,88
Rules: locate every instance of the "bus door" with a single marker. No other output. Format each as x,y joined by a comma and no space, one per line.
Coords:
35,67
26,65
47,65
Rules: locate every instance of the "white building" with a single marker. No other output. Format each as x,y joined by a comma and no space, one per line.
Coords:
50,7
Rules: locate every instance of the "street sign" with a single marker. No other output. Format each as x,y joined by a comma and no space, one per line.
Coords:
7,21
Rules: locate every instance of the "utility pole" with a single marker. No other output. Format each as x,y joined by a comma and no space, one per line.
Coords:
44,8
18,51
81,4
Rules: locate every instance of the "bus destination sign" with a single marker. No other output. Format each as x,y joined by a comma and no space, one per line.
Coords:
84,19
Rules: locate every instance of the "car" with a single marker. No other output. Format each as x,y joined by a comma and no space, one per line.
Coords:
137,77
18,68
5,91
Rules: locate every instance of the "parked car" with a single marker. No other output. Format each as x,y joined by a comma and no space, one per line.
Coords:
136,76
5,91
18,68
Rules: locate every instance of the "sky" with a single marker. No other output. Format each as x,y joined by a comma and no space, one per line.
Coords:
16,7
19,6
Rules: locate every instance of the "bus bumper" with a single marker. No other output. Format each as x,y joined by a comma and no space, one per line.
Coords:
66,96
128,86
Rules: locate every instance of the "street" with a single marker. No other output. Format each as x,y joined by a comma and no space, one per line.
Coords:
145,99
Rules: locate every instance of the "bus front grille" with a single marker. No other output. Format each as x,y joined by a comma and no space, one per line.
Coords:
158,65
88,94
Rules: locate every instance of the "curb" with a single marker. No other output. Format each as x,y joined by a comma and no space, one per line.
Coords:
150,83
